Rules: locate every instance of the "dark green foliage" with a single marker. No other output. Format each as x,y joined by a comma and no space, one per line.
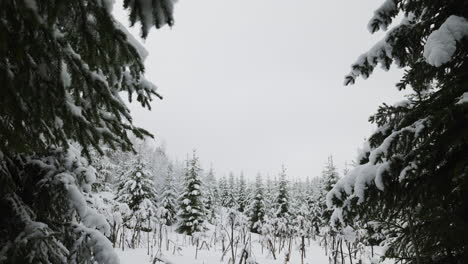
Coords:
282,199
192,211
44,43
419,198
256,210
62,67
327,181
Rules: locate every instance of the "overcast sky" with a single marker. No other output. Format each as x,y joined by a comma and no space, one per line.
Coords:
253,84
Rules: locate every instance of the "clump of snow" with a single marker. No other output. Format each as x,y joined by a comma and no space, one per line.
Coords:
381,18
65,75
356,182
132,40
74,109
380,53
442,43
463,99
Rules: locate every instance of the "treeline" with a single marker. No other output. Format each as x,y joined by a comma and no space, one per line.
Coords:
149,193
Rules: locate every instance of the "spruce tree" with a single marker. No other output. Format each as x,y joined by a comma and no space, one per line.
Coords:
63,65
192,211
211,195
411,178
136,187
282,198
327,181
168,199
256,210
231,199
241,193
223,192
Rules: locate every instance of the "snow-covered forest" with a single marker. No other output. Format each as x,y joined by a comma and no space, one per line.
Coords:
80,182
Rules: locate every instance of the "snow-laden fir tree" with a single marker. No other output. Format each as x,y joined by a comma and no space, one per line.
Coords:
282,198
63,67
241,195
314,200
135,186
192,212
329,178
231,199
223,191
270,195
302,226
167,201
256,209
210,195
411,177
136,189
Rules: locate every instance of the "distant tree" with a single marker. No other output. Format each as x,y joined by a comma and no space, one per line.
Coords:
241,195
282,199
224,195
211,195
256,209
135,186
192,213
231,199
168,199
328,180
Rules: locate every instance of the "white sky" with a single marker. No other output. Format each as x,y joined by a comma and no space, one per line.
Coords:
252,84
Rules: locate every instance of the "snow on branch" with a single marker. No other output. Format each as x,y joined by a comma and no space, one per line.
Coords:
383,16
380,53
442,43
355,183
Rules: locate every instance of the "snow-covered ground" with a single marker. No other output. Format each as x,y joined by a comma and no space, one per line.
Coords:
186,255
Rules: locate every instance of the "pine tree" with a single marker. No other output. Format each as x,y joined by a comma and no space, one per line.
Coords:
231,200
168,199
136,186
241,193
192,210
256,210
411,178
223,192
62,67
282,199
211,195
327,181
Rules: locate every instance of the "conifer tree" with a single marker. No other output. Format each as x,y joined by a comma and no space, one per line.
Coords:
168,199
211,194
223,192
136,187
411,177
192,211
282,199
327,181
241,193
230,199
256,210
63,65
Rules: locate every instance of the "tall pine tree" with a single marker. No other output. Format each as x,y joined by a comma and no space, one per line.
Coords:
63,65
192,211
256,210
168,199
282,198
411,178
